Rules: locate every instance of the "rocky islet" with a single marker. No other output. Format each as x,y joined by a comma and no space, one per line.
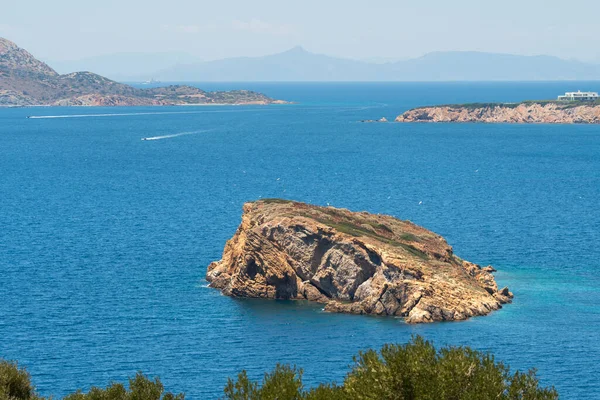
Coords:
352,262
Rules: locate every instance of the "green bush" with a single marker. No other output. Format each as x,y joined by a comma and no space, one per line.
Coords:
15,383
140,388
284,383
414,371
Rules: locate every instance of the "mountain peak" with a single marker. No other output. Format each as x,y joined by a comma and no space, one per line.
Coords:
6,46
15,58
296,50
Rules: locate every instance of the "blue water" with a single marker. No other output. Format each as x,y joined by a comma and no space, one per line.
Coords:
105,239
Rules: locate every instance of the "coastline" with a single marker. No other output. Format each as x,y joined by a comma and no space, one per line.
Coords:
528,112
276,102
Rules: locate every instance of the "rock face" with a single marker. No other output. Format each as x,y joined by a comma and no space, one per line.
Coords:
530,112
25,81
14,57
352,262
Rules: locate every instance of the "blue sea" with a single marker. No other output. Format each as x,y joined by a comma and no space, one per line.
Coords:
105,238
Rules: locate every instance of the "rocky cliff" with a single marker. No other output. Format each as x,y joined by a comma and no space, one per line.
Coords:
12,57
25,81
549,112
352,262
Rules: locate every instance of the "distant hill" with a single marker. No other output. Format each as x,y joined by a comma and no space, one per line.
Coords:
125,67
295,64
24,80
298,64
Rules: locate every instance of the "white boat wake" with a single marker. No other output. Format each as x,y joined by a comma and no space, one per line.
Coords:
203,111
175,135
107,115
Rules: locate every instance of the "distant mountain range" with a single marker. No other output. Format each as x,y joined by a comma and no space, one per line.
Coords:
25,80
125,67
298,64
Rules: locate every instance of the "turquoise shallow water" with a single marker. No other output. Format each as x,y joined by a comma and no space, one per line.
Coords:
105,239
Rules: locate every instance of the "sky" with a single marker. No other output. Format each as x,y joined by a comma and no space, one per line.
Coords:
373,29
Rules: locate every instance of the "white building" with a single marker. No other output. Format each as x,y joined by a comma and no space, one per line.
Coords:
579,96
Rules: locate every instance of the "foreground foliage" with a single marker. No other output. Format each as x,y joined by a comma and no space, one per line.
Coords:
140,388
412,371
15,384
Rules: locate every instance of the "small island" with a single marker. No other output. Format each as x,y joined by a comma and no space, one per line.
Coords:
571,108
27,81
352,262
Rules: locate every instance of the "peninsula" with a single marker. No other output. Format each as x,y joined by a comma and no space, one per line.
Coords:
26,81
528,112
352,262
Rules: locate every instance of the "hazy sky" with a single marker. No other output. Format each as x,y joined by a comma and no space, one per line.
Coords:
72,29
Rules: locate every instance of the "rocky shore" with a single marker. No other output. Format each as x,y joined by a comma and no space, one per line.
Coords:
549,112
352,262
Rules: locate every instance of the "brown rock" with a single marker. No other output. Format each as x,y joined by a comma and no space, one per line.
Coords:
489,268
352,262
551,112
504,296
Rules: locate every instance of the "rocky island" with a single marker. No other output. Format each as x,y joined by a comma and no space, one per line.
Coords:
352,262
26,81
529,112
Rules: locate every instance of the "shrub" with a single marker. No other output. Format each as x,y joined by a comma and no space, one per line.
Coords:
283,383
140,388
15,383
413,371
